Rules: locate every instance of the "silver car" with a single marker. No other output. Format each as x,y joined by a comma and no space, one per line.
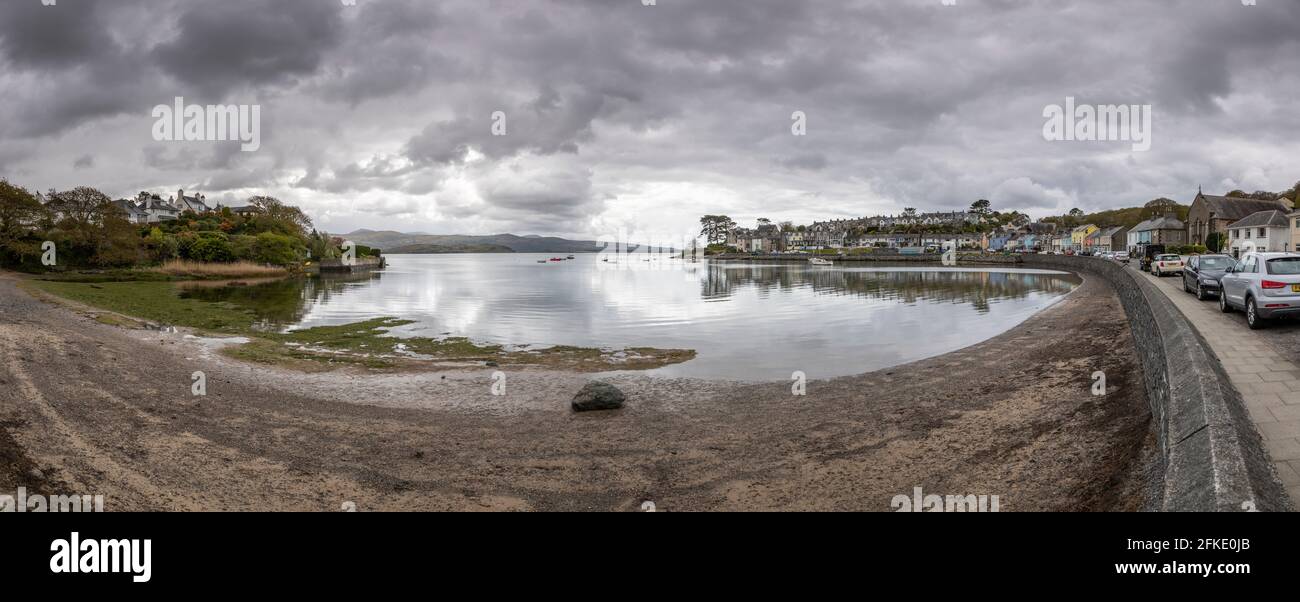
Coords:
1264,285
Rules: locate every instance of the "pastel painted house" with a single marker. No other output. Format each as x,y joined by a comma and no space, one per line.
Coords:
1164,230
1080,234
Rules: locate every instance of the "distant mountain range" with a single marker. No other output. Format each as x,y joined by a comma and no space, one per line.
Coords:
398,243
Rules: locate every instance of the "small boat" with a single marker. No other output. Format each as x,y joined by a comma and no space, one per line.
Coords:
569,257
819,261
557,259
541,261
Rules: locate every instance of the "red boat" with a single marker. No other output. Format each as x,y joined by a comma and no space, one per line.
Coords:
557,259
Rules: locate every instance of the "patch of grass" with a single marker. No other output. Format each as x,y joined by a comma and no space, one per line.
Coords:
154,302
275,353
107,276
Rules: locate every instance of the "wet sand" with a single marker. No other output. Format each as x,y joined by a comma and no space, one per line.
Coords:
90,408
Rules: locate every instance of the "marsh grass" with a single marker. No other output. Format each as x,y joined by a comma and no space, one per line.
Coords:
199,269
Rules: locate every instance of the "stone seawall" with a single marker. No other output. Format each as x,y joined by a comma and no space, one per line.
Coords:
1213,457
971,258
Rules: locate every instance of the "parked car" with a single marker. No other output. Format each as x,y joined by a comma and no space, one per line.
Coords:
1202,273
1147,254
1121,256
1167,263
1264,285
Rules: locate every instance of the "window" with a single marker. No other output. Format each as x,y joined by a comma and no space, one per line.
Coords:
1284,266
1249,266
1259,233
1213,263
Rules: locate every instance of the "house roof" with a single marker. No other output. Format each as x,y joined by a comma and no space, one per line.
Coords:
1083,228
1233,208
129,207
194,204
1274,218
1164,222
1110,232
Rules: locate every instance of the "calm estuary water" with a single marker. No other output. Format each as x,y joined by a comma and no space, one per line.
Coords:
746,320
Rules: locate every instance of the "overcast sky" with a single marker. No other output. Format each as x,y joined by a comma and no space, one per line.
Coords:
621,116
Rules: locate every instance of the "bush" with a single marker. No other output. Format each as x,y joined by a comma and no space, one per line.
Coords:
243,247
211,249
276,249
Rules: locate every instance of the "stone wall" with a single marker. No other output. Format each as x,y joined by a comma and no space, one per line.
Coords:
1213,458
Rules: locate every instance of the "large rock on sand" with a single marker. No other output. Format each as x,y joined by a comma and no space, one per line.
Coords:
598,396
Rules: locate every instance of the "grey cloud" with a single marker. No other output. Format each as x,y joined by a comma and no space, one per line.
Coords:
910,103
223,45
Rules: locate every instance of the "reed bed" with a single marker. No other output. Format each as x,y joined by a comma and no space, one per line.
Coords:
199,269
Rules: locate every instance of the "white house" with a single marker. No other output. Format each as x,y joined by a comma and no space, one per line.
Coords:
1266,230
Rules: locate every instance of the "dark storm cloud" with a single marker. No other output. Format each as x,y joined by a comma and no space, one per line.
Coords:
260,42
385,108
34,36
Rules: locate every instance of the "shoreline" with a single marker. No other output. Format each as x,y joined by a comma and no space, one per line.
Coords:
1010,416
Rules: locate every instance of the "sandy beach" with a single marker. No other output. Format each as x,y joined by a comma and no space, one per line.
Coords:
91,408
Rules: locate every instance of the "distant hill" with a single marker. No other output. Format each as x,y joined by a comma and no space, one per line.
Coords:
1127,217
398,242
435,249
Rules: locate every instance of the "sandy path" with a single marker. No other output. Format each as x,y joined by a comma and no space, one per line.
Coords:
90,408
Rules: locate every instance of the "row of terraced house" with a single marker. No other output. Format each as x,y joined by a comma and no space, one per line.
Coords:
1268,225
863,232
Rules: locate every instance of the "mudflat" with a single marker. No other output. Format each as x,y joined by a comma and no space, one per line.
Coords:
91,408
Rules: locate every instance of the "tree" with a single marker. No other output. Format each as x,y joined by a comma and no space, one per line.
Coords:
763,221
19,209
980,207
119,243
1214,242
83,205
714,228
19,212
1159,207
277,249
274,215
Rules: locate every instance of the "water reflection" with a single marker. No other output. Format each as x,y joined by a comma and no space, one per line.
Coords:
277,303
747,321
902,282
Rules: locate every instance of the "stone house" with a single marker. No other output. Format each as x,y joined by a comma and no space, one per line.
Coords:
1213,214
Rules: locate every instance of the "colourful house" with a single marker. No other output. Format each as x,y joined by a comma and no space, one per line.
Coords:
1080,234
